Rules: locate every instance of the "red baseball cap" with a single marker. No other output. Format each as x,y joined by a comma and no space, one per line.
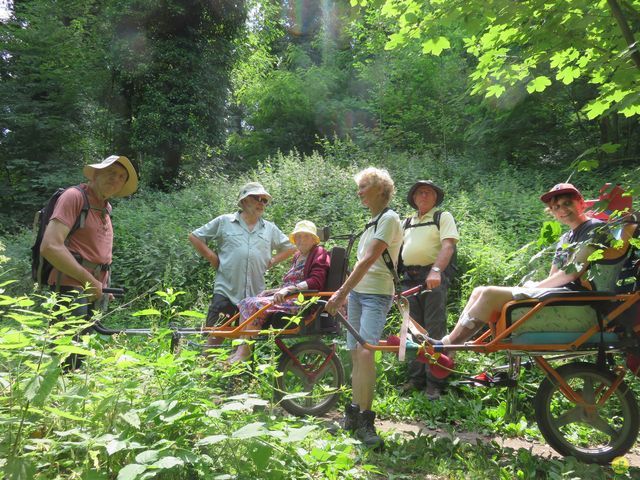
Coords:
560,189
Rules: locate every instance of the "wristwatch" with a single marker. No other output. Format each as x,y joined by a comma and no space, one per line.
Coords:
436,269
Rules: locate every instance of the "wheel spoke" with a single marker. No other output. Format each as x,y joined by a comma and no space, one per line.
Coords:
603,426
573,415
588,392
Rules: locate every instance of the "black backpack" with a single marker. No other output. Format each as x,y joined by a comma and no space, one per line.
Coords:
40,267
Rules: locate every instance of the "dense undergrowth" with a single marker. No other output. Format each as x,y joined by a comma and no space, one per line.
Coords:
140,410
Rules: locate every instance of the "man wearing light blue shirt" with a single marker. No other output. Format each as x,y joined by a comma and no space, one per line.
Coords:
244,244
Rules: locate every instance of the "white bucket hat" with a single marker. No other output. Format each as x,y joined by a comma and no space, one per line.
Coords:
305,226
252,188
130,186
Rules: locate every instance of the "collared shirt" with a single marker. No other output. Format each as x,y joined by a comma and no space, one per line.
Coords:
423,244
244,255
94,241
379,279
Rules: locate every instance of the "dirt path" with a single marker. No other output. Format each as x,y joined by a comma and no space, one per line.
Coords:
540,449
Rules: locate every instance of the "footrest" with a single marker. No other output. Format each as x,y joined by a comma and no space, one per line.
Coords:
560,338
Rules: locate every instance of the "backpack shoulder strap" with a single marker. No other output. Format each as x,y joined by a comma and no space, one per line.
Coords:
82,217
436,218
374,223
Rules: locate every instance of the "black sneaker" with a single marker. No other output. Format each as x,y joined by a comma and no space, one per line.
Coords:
366,432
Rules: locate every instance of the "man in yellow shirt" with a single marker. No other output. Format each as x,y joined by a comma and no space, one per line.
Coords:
428,258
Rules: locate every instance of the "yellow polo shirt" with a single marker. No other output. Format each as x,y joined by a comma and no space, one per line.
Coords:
423,244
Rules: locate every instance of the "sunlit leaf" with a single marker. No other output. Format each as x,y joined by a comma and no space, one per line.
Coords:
13,340
73,349
610,147
568,74
61,413
168,462
131,471
549,233
596,108
495,91
148,311
596,255
132,419
115,445
192,313
250,430
212,439
587,165
631,111
538,84
47,384
298,434
148,456
435,47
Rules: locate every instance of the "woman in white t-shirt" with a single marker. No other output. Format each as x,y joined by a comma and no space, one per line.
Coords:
370,291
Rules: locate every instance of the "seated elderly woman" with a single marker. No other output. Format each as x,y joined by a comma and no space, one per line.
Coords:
308,271
566,204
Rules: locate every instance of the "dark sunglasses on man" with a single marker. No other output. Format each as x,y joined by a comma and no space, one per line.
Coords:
263,200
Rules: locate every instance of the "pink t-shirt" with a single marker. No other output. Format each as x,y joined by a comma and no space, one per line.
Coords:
94,241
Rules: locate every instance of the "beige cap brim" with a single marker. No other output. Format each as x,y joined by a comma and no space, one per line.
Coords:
130,186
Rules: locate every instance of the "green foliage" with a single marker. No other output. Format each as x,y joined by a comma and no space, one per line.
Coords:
170,65
513,42
138,410
51,75
81,80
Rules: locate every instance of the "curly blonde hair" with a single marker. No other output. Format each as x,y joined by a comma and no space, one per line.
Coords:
378,176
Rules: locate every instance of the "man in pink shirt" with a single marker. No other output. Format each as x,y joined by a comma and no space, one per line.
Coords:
84,257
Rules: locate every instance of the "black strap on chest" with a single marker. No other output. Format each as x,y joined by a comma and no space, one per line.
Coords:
386,256
436,221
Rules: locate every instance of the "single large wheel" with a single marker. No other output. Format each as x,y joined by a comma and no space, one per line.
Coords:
315,378
592,434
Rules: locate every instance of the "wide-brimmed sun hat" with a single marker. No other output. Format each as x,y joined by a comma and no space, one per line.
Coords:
305,226
560,189
425,183
252,188
130,186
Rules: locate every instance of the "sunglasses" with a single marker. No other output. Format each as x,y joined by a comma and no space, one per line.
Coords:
262,200
562,204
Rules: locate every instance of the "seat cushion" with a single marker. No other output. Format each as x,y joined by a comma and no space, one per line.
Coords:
560,318
559,338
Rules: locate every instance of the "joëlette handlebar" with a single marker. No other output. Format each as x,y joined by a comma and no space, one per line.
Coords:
116,292
414,291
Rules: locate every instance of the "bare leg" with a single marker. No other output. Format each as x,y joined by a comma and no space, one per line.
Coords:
484,301
363,377
242,353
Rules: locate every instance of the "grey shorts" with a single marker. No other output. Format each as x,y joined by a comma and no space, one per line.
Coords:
522,293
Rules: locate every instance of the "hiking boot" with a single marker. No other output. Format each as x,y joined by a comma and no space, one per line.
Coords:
410,386
366,432
351,420
432,392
